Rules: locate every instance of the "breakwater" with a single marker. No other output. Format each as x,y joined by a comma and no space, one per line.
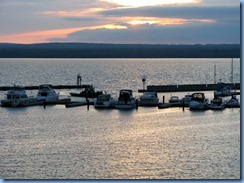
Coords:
187,87
53,86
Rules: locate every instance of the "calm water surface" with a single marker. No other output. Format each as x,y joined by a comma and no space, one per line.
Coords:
148,143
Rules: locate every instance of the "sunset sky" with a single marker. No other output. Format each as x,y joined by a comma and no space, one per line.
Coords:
120,21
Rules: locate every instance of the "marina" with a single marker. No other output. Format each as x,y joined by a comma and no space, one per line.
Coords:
84,142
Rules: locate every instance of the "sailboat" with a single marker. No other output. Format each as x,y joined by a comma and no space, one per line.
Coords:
223,89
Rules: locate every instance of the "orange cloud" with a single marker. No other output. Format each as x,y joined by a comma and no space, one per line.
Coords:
44,36
76,13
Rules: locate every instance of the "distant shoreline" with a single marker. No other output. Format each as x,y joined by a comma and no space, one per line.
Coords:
93,50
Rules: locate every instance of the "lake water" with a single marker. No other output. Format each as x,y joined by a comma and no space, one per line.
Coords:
149,143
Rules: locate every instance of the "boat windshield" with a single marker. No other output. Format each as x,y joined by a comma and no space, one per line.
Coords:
198,96
103,97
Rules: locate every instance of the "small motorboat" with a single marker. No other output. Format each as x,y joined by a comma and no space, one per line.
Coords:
17,97
222,90
104,101
47,94
233,102
88,92
125,100
174,100
186,100
217,104
149,99
198,102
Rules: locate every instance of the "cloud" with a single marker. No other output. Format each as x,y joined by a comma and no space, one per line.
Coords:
130,3
184,24
144,34
204,12
93,21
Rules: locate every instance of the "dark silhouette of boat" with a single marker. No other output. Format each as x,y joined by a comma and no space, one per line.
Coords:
88,92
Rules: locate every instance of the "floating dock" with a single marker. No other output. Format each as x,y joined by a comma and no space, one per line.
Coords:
187,87
76,104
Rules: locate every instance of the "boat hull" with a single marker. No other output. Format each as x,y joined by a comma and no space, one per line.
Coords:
124,105
146,102
21,102
102,105
196,105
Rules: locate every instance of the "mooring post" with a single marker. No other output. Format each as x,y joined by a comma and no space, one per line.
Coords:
88,103
136,103
163,98
183,105
44,104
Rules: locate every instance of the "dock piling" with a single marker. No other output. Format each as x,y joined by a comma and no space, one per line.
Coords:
88,104
44,104
183,105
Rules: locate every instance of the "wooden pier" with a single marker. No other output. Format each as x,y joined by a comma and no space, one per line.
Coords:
187,87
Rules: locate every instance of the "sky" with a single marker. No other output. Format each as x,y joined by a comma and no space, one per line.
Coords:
120,21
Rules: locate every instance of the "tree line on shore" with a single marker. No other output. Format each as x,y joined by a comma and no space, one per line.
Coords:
93,50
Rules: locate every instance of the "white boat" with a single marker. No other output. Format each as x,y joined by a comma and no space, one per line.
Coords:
149,99
198,102
17,97
222,90
47,94
174,100
217,104
125,100
233,102
104,101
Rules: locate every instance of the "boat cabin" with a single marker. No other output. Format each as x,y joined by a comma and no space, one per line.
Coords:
198,96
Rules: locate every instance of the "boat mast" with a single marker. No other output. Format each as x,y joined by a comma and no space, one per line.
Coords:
215,74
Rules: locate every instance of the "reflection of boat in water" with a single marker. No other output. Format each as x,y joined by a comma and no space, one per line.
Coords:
46,93
222,90
104,101
198,102
149,99
217,104
17,97
233,102
125,100
87,92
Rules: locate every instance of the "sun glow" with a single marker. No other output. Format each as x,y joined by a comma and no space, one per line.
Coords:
163,21
140,3
156,21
